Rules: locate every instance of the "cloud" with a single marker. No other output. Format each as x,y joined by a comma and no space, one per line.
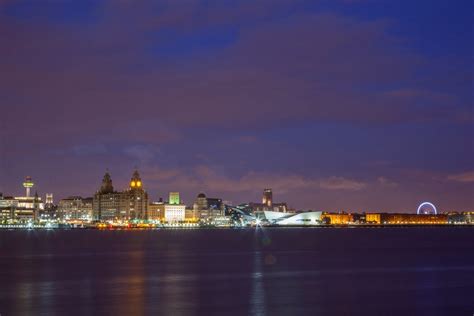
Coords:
462,177
383,181
340,183
142,153
206,178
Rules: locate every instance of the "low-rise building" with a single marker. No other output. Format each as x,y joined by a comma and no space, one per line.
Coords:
337,218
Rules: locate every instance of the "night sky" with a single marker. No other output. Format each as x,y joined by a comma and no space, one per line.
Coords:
337,105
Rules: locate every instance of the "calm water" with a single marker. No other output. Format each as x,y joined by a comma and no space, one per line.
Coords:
313,271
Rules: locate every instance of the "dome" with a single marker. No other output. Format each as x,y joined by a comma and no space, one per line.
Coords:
201,195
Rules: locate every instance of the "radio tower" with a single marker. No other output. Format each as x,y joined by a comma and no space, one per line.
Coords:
28,184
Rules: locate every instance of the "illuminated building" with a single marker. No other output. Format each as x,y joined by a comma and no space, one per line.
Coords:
201,202
21,208
156,210
208,208
7,207
372,218
107,203
49,198
170,212
404,218
127,205
267,198
50,209
27,208
75,208
175,213
28,184
267,205
191,215
174,198
337,218
293,219
137,200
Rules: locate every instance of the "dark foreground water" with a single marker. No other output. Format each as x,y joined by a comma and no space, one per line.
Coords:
312,271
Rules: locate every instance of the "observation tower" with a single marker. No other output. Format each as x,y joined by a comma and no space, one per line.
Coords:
28,184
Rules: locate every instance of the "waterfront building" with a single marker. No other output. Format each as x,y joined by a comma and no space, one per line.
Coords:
107,203
372,218
137,198
8,204
201,202
28,208
171,212
337,218
294,219
76,208
21,208
268,205
156,210
175,213
191,215
460,217
50,210
130,204
207,208
406,218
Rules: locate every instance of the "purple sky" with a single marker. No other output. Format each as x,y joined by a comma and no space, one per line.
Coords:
337,105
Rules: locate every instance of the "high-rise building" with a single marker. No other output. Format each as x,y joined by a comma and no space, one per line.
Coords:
107,203
137,199
127,205
267,198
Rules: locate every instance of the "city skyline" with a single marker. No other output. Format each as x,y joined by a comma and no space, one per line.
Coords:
341,105
175,197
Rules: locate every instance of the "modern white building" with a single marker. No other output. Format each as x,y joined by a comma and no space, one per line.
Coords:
293,219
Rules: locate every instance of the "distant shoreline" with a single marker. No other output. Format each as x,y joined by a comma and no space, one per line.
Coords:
15,227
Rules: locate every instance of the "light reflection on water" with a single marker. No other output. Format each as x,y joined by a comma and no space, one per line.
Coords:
256,272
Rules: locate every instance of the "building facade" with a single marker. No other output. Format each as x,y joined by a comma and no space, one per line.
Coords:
206,208
75,208
131,204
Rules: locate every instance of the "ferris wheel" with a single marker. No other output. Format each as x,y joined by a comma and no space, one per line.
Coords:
427,208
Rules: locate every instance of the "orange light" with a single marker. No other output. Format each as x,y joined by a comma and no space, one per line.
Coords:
139,183
132,184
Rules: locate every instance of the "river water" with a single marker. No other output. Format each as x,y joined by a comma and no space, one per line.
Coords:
263,271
